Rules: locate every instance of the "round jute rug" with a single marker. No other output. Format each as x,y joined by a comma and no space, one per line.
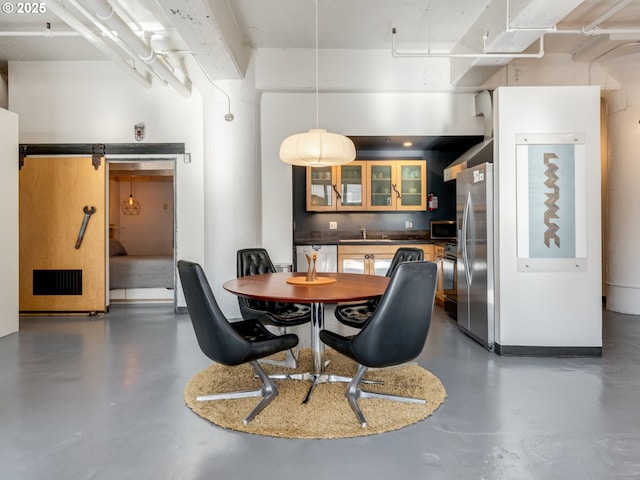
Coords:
327,414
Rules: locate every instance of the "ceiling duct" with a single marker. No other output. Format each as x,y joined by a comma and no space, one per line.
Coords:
71,20
481,152
110,18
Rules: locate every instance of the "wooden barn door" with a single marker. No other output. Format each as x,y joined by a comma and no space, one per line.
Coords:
59,273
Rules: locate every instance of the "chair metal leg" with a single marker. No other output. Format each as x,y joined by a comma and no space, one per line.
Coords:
290,360
290,356
354,393
268,391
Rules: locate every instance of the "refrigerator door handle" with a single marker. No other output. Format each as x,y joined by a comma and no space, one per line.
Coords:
465,231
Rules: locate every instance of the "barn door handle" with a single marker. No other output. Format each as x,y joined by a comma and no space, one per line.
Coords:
85,220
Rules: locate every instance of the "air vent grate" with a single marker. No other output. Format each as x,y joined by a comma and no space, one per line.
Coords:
57,282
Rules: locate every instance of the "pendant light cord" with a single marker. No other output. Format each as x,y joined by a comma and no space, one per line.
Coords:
318,147
317,96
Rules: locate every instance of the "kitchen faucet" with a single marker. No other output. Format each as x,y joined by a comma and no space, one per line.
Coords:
364,233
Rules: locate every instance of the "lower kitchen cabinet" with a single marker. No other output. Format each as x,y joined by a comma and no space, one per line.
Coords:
434,253
429,252
373,259
376,259
438,252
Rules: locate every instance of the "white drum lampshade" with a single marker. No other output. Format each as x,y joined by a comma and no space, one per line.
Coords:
317,148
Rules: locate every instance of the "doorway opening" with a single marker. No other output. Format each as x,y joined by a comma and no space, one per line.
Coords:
142,230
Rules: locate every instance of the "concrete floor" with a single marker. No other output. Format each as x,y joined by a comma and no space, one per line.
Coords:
101,398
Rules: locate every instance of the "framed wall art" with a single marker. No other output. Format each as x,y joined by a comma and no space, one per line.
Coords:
551,202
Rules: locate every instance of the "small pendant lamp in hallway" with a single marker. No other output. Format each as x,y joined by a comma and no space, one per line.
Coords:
131,206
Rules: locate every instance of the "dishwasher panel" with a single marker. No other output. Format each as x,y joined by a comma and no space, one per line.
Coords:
327,260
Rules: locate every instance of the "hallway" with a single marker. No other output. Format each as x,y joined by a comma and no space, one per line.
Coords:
101,398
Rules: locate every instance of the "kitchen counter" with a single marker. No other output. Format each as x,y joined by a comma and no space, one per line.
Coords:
354,238
381,241
373,241
364,242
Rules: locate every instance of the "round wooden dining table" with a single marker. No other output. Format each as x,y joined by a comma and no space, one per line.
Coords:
278,287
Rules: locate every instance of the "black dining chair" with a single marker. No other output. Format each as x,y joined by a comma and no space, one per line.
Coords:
256,261
396,332
357,314
230,343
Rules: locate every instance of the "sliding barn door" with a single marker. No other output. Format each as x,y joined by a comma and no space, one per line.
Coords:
58,271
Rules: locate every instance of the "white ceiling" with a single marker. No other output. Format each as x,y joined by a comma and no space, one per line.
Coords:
220,32
350,24
356,24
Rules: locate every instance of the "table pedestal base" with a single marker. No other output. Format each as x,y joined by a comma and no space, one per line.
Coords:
318,363
318,378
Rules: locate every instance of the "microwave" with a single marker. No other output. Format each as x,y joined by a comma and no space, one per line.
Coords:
443,230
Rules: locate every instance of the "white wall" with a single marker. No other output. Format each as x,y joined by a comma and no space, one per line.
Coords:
9,221
546,308
283,114
86,102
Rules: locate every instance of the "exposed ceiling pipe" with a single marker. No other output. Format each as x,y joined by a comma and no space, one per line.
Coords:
590,29
39,33
429,53
105,12
612,32
47,32
96,41
128,51
511,29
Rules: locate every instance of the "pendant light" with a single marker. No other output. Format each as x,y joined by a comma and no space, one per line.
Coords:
317,147
131,206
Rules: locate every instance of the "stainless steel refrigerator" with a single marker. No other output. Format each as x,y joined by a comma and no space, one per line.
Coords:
474,263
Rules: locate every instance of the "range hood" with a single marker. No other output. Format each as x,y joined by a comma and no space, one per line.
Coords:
481,152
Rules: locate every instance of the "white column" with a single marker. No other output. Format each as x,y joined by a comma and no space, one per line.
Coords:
231,184
623,274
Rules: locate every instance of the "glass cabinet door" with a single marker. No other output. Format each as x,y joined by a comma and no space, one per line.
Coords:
320,193
375,185
411,185
382,195
352,186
